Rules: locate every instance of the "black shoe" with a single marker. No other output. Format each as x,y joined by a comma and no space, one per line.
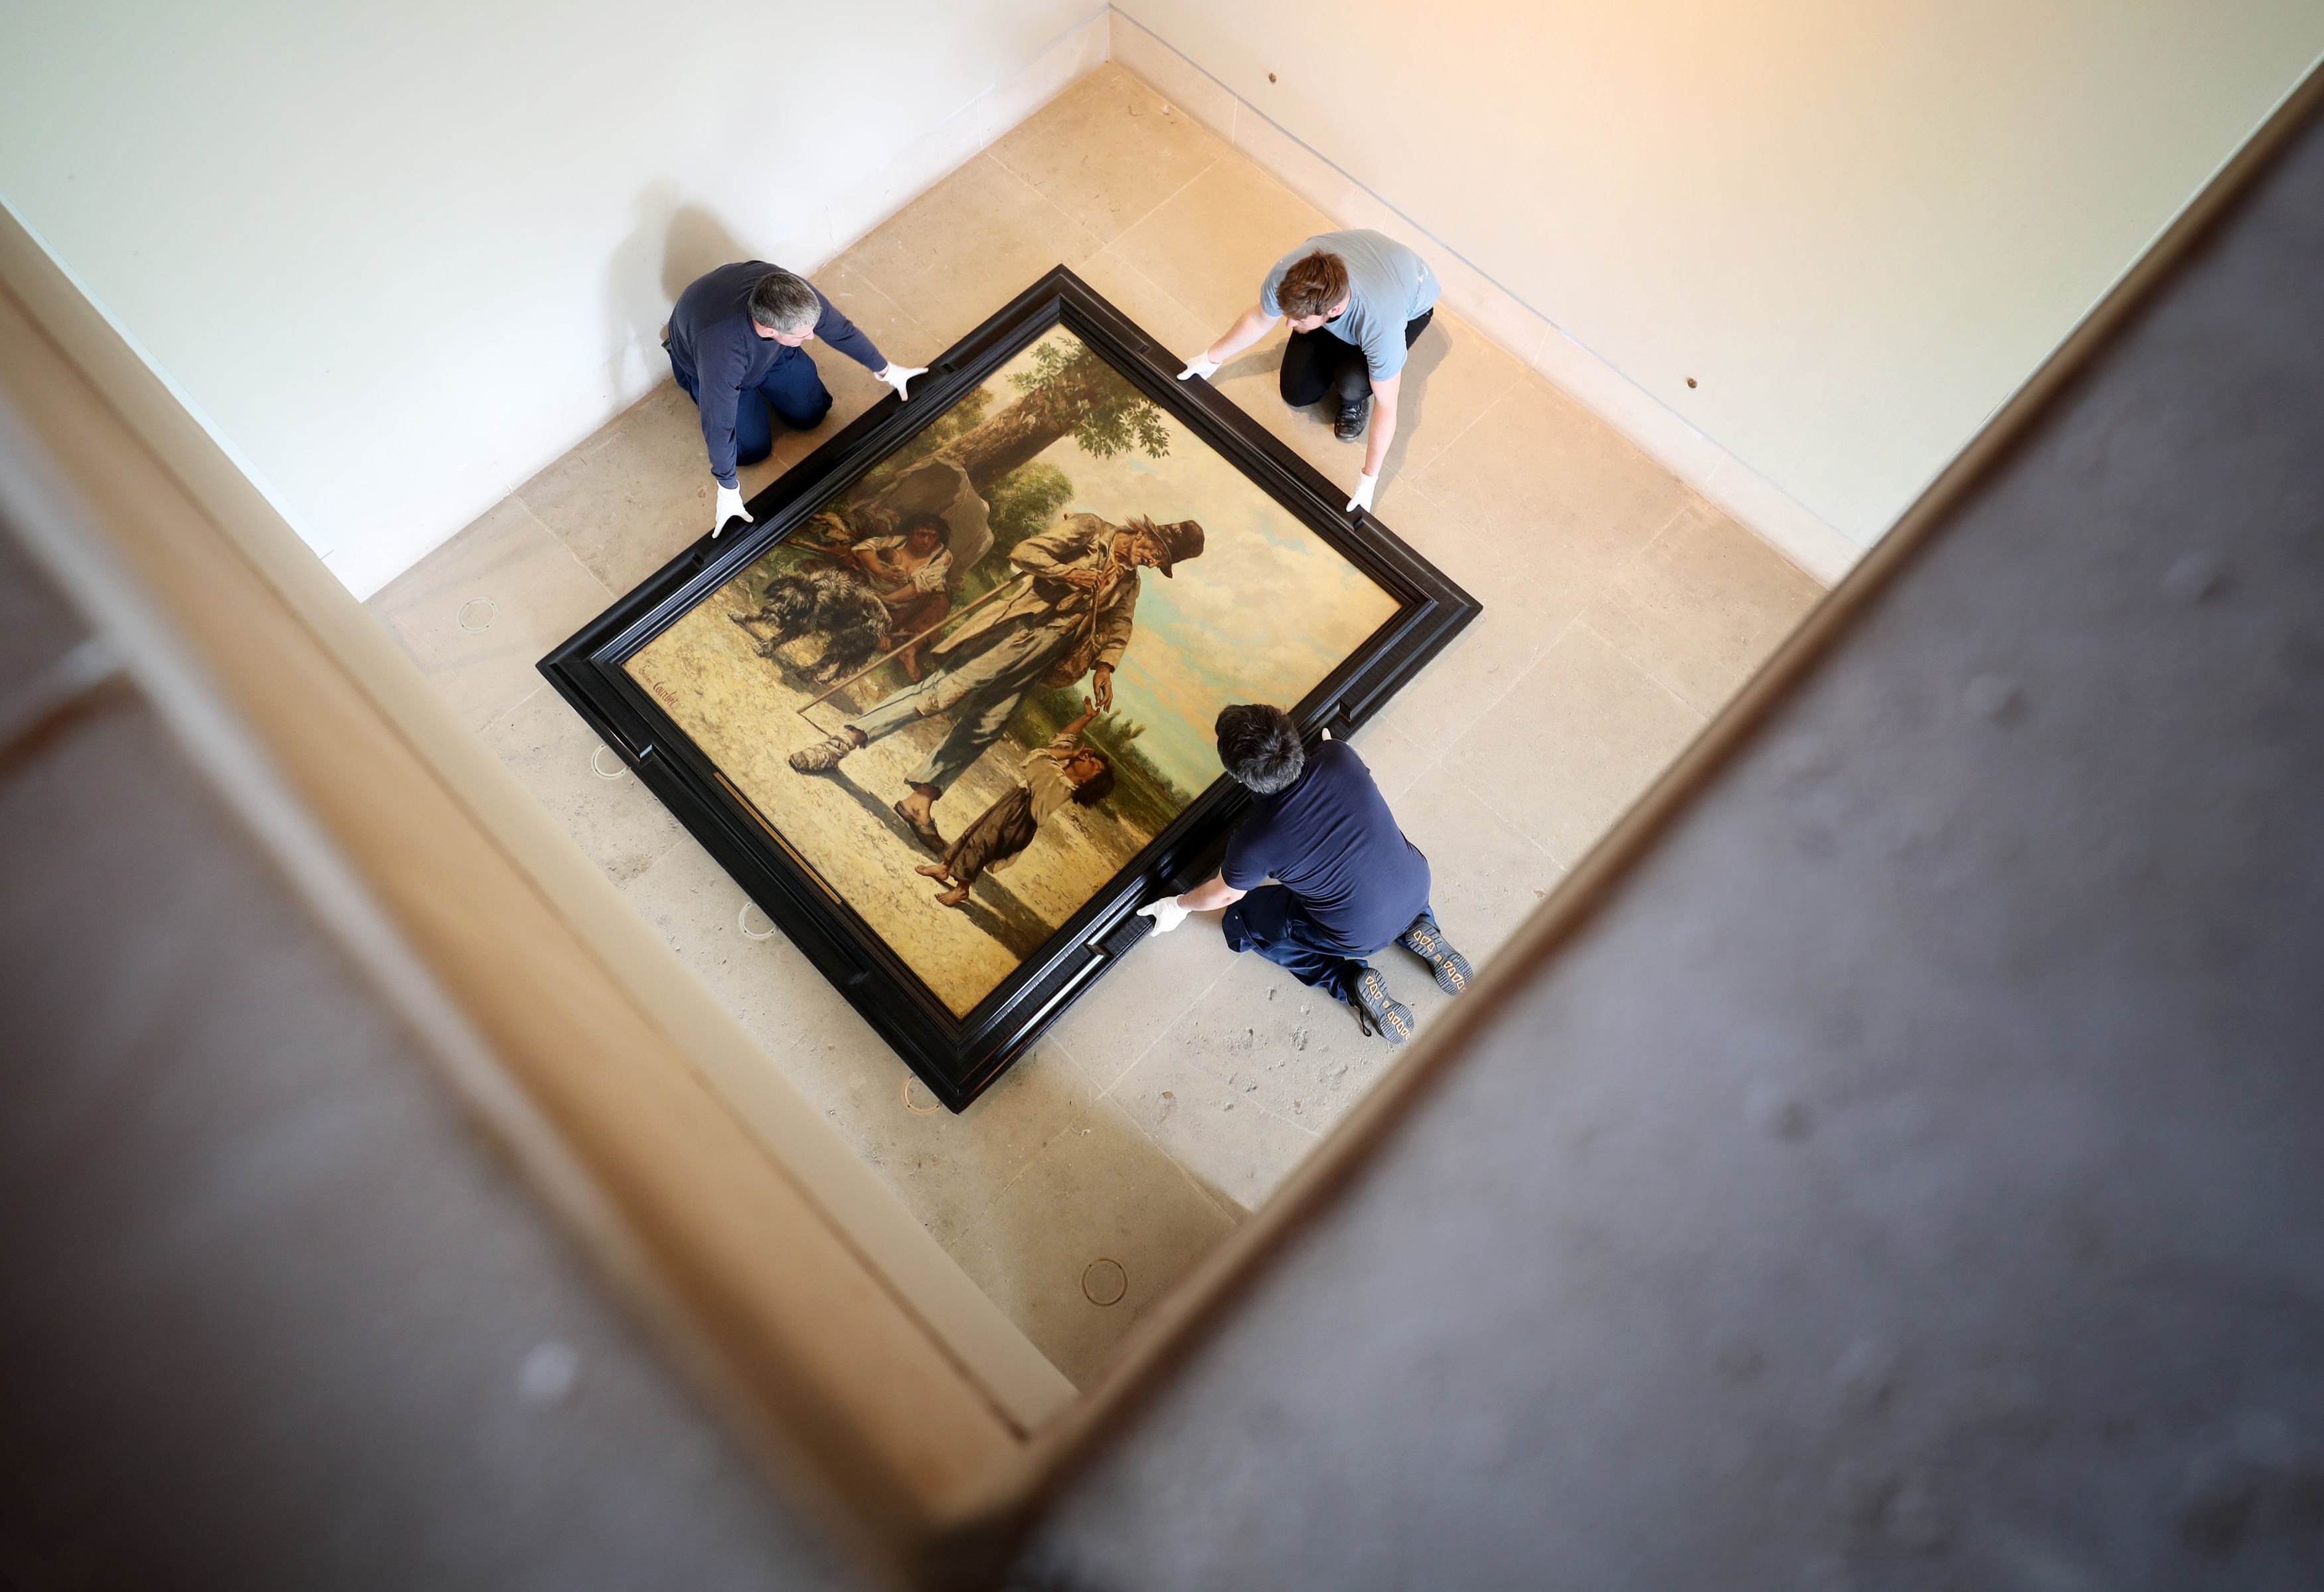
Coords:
1377,1010
1353,417
1426,940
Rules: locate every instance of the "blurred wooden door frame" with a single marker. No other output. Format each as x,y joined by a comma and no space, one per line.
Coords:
746,1231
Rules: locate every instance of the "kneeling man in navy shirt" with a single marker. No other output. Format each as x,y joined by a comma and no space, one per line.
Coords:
734,342
1347,882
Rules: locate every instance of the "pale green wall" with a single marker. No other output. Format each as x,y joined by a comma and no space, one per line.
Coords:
1858,225
400,256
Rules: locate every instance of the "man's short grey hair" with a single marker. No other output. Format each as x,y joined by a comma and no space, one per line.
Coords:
784,303
1259,747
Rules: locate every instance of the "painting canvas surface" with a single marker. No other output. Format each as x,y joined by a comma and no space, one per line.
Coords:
958,606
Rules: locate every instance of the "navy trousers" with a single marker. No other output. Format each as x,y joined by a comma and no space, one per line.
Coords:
1271,921
793,389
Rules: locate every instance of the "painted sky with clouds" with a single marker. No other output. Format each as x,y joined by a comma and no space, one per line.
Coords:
1263,616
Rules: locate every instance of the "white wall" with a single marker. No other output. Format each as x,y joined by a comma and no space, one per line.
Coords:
1859,226
398,257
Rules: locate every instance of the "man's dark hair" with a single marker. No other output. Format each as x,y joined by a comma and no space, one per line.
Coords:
783,303
1099,785
1259,747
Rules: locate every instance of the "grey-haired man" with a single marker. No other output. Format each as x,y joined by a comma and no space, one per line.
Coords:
735,343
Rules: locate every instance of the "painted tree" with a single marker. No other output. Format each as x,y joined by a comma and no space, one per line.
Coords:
1024,500
1069,392
954,423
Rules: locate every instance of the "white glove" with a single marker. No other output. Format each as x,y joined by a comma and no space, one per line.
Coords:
899,377
1167,913
1200,365
729,508
1365,486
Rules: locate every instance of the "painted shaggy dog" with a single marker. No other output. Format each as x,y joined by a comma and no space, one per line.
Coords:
837,606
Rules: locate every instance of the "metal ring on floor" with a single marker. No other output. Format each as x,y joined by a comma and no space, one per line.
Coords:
913,1106
743,921
1105,1281
598,768
492,612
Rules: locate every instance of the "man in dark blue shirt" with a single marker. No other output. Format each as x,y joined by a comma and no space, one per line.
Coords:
1347,882
735,344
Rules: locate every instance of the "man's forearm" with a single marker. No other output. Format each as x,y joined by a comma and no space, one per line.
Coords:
1383,433
1251,325
1211,894
839,332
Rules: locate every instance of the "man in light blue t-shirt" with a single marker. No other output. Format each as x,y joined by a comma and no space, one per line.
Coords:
1356,300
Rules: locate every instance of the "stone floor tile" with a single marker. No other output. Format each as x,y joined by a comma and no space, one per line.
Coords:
480,611
1210,243
1487,878
1576,741
584,785
949,1168
1278,1044
1466,680
1101,1192
1107,150
1551,497
729,943
1158,315
1216,1130
967,247
1135,1001
1703,606
634,496
1394,758
1452,375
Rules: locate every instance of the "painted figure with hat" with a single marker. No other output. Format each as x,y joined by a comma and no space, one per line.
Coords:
1067,612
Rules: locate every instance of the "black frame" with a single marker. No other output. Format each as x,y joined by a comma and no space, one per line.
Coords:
959,1057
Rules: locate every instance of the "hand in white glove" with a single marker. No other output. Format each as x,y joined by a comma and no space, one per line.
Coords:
1167,913
729,508
1365,486
899,377
1200,365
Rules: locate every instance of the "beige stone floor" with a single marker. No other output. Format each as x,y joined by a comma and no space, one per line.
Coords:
1620,610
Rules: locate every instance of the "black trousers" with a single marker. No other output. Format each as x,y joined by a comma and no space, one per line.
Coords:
1315,362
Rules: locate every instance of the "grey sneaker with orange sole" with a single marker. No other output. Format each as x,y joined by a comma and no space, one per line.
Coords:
1380,1012
1426,940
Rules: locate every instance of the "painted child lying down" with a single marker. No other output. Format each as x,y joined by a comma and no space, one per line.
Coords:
1062,771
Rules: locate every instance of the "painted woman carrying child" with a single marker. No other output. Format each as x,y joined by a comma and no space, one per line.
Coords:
1062,771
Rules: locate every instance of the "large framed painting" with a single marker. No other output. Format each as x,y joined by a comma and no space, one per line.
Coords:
944,708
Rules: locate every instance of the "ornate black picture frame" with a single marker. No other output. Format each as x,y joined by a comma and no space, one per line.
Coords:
958,1056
